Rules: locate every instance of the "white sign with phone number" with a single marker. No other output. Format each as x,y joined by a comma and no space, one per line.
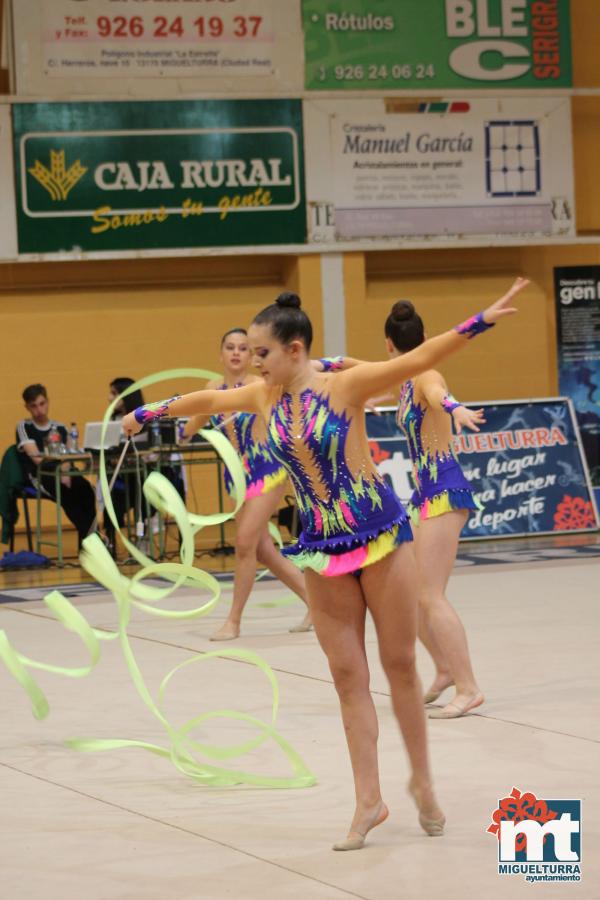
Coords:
86,42
134,38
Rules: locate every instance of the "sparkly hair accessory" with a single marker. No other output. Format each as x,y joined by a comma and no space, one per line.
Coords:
473,326
332,363
450,403
151,411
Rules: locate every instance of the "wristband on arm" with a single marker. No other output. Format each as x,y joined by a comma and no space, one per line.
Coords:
151,411
473,326
332,363
450,403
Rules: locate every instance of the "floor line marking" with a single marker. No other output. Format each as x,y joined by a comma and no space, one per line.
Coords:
172,825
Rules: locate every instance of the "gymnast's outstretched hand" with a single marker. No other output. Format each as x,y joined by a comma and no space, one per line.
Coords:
467,418
502,307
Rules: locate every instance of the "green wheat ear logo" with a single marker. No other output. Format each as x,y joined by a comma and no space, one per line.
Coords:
57,180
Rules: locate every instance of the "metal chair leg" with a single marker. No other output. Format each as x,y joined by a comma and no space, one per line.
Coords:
27,523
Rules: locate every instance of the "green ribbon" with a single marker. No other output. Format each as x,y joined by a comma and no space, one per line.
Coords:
133,592
18,664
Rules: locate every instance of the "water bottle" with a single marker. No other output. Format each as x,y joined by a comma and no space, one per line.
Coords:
53,441
74,439
180,431
155,432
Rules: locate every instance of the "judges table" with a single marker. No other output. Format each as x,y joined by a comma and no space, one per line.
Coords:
154,459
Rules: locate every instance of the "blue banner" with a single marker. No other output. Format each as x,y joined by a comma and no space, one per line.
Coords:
525,465
577,293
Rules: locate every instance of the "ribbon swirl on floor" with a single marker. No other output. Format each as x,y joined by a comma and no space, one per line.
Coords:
133,592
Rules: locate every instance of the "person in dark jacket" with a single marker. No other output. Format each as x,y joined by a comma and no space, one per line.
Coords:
77,495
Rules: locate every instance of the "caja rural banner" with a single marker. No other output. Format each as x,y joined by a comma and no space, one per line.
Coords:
8,229
122,176
526,467
389,168
458,44
158,48
577,292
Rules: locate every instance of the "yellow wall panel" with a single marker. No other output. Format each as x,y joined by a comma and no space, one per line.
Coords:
303,276
586,140
585,34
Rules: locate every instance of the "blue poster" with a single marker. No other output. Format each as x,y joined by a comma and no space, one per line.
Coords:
577,292
526,467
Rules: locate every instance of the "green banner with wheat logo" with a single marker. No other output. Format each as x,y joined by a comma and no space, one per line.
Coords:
126,176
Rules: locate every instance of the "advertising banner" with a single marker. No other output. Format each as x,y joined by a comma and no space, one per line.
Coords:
448,44
8,213
122,176
392,168
577,292
526,467
117,46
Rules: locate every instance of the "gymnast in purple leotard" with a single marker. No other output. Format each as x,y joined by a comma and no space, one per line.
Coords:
439,508
265,485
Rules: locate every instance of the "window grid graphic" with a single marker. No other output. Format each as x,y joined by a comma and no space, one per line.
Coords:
512,159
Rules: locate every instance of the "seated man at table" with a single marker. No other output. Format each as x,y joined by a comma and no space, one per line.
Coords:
77,495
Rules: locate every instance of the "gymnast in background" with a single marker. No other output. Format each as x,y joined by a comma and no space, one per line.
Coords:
265,486
439,508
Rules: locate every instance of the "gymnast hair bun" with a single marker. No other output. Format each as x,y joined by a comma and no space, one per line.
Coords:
402,311
289,300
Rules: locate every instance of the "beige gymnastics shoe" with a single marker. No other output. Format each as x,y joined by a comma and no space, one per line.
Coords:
356,839
455,710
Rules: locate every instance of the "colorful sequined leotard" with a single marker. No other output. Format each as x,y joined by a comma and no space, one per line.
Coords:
247,434
350,517
440,485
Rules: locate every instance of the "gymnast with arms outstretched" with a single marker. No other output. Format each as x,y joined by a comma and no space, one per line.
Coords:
439,506
355,541
265,485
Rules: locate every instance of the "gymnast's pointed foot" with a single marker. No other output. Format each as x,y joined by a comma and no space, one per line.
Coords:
431,818
460,706
440,683
229,631
363,822
304,625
